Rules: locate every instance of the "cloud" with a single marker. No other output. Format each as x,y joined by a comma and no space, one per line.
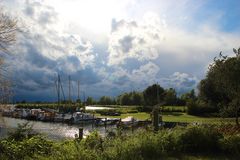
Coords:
131,40
149,41
42,52
146,73
40,13
182,82
152,38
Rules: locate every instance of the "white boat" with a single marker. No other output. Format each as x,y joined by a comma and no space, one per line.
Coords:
129,120
107,121
79,117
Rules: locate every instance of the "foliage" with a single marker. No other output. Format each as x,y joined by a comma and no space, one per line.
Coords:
132,98
170,97
199,107
153,95
105,100
23,131
221,86
231,144
90,101
189,96
200,139
141,145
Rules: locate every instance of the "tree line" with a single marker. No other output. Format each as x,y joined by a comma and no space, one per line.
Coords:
151,96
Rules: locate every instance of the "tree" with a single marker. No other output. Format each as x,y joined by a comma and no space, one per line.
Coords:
125,99
222,83
90,101
170,97
8,29
153,95
137,98
105,100
188,96
132,98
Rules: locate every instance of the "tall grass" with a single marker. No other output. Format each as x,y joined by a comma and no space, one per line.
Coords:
200,140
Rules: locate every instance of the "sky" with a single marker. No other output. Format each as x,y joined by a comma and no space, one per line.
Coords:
116,46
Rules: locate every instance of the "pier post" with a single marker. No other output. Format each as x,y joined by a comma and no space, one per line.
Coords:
155,119
80,133
132,125
93,120
105,124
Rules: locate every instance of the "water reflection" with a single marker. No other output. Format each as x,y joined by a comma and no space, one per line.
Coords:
51,130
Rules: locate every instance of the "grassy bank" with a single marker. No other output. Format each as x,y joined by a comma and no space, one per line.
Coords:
175,117
194,142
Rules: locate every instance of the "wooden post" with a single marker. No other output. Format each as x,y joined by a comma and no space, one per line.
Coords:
156,119
132,125
93,120
119,123
105,124
80,133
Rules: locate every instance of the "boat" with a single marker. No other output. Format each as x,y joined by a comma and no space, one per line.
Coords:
106,121
58,117
80,117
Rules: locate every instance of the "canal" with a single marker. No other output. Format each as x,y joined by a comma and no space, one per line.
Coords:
56,131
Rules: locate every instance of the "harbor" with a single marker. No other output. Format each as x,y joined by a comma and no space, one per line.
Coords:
57,126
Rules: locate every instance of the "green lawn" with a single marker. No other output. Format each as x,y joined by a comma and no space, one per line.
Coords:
183,117
140,115
175,117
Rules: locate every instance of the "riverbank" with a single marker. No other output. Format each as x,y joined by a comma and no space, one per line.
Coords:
176,117
193,142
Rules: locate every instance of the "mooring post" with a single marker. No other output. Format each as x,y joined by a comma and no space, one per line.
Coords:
156,119
132,125
105,124
80,133
93,120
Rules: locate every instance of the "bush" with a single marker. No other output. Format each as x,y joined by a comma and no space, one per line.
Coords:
141,145
200,140
93,141
231,144
29,147
199,108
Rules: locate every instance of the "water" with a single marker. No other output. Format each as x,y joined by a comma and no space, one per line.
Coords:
54,131
97,108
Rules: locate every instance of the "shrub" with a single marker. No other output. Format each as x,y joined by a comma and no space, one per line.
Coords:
200,108
199,139
93,141
231,144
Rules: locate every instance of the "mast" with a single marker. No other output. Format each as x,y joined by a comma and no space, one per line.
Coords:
69,89
78,89
58,90
157,95
84,99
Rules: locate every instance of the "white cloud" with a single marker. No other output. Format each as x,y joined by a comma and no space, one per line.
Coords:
182,82
152,37
145,74
131,40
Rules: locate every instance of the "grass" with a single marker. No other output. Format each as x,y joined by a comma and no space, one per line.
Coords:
175,117
139,115
204,142
183,117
